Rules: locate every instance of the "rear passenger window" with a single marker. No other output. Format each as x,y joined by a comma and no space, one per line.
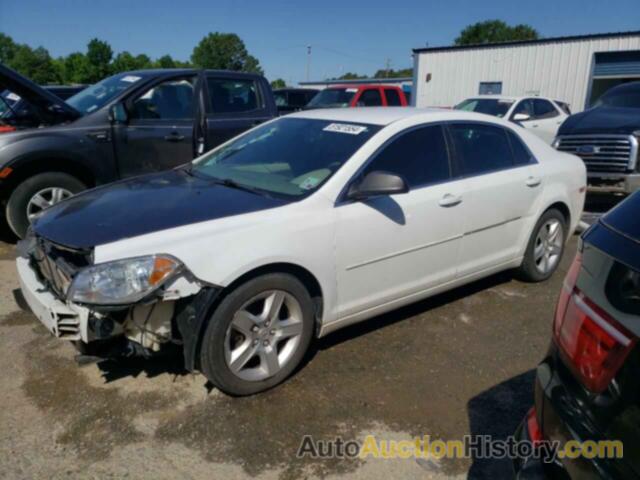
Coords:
481,148
393,99
521,154
420,156
233,95
370,98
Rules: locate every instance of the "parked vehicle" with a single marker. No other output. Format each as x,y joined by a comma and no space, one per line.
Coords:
542,116
341,96
606,137
17,113
293,99
301,226
125,125
587,387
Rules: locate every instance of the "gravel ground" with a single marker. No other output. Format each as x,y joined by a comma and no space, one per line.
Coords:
455,364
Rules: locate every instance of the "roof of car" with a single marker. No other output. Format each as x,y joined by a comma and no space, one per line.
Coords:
374,115
509,98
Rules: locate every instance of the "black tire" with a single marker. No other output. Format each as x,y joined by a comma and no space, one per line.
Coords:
212,353
528,271
16,212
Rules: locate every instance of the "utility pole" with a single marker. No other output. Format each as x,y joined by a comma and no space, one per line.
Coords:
387,67
308,61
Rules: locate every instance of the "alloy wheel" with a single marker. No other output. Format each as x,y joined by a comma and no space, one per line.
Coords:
263,335
548,246
46,198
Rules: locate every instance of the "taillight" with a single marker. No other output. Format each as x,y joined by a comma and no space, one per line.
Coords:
6,129
592,342
535,434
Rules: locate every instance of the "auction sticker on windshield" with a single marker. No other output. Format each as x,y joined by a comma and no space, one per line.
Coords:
345,128
130,78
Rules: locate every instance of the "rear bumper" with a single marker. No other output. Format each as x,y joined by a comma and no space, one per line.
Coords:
65,321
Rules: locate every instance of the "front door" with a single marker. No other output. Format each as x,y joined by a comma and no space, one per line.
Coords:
159,131
391,247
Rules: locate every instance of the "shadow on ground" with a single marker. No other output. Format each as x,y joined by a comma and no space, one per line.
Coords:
497,412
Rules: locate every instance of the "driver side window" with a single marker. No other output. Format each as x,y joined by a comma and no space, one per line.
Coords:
169,100
525,107
420,156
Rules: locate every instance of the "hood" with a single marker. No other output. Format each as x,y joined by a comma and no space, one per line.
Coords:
144,205
35,95
613,120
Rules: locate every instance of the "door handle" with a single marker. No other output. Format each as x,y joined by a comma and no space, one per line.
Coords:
174,137
450,200
533,181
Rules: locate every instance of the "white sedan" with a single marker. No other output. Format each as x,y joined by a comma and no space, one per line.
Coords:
295,229
542,116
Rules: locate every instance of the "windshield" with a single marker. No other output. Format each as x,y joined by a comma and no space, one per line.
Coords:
489,106
290,156
97,96
627,97
8,100
333,97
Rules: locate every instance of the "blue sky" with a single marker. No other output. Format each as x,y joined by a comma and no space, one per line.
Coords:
346,35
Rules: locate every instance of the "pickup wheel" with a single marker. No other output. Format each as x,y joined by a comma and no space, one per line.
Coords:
258,334
545,247
37,193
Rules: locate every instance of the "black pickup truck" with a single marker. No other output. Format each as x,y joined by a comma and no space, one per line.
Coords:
606,137
125,125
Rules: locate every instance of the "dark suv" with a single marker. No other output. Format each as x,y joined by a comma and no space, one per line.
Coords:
588,386
606,137
125,125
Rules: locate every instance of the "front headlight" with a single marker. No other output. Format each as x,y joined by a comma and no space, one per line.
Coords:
556,143
123,281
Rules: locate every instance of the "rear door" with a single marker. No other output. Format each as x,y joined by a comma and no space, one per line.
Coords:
234,104
501,193
159,132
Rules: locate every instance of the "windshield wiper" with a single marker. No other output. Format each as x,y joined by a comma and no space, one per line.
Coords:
227,182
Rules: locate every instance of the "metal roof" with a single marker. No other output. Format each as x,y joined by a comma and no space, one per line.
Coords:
518,43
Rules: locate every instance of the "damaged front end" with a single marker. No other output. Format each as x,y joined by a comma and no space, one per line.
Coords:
130,307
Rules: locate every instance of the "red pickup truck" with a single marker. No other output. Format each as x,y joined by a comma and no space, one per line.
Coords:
363,95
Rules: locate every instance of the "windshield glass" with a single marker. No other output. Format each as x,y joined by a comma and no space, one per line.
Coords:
627,97
97,96
489,106
8,100
290,156
333,97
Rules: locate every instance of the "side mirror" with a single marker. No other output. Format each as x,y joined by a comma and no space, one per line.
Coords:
378,183
521,117
118,114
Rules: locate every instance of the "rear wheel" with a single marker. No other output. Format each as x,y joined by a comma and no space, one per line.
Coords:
258,334
545,248
37,193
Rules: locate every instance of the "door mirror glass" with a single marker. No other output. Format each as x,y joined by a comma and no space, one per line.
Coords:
378,183
521,117
118,114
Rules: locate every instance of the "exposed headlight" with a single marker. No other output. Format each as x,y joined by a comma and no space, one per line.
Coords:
123,281
556,143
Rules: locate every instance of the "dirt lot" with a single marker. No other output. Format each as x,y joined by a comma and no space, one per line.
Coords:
455,364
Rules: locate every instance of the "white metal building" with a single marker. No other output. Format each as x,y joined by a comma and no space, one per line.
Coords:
576,70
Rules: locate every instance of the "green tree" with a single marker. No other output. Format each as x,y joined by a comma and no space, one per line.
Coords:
350,76
99,56
225,51
494,31
391,73
278,83
77,69
124,62
36,64
165,62
7,48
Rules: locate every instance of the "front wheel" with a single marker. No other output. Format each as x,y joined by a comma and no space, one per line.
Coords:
35,194
258,334
545,247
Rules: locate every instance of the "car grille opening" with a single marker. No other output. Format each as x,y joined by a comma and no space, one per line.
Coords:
56,265
602,153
